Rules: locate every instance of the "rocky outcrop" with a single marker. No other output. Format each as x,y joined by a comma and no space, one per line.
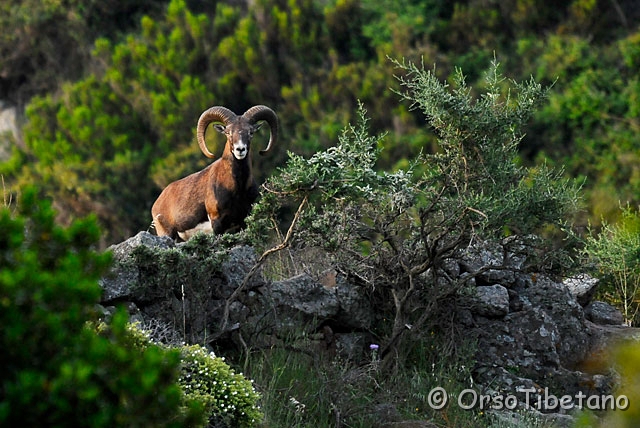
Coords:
536,343
543,329
122,281
533,333
172,288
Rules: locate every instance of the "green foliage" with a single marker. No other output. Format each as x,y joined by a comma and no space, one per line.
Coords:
339,182
627,357
615,253
86,156
140,93
394,232
229,398
476,169
35,33
419,17
57,370
96,148
590,122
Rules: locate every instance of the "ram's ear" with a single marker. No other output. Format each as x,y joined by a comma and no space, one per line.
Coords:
220,128
257,126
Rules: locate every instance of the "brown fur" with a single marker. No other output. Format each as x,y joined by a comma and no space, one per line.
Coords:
204,192
223,192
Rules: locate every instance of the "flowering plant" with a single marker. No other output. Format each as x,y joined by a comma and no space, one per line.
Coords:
229,396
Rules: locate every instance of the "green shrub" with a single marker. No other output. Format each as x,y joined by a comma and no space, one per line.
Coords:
36,32
57,370
228,396
395,232
615,255
97,147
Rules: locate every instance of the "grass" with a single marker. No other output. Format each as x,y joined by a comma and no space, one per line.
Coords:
301,387
7,196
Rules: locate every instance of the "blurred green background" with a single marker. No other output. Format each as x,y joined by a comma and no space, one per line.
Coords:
109,92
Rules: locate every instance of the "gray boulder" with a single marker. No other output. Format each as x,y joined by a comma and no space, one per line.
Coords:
306,302
603,313
120,282
235,268
184,286
303,296
582,287
490,301
497,263
190,286
356,311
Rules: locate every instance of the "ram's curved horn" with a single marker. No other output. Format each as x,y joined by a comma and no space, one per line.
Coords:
214,114
260,112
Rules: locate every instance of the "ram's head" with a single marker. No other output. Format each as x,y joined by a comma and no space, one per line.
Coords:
238,129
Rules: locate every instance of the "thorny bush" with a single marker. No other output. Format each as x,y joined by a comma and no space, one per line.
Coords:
396,232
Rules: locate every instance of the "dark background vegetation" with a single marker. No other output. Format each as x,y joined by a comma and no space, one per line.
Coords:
112,90
109,93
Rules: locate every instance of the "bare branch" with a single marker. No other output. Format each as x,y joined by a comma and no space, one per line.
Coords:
284,244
